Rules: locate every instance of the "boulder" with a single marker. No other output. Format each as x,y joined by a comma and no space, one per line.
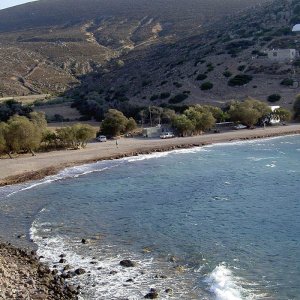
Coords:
153,294
127,263
79,271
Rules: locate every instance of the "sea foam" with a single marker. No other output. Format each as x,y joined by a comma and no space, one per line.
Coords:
225,286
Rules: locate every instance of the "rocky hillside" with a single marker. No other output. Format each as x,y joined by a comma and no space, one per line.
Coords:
48,45
226,61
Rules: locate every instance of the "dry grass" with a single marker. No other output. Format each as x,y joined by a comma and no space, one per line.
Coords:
26,99
64,110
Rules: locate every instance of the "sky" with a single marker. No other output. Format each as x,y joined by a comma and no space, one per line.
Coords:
9,3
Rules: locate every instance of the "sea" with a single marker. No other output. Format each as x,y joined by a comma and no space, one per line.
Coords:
219,222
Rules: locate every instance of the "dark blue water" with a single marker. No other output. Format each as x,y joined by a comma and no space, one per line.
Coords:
221,222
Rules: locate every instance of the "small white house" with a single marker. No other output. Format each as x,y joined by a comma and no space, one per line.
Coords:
282,55
152,132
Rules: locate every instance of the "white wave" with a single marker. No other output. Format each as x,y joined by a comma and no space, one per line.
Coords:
72,172
271,165
154,155
225,286
252,158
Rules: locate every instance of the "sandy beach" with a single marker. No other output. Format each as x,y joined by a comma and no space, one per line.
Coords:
25,168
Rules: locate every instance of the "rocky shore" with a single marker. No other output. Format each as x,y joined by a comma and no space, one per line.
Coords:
23,276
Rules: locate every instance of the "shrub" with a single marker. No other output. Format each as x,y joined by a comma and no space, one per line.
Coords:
164,95
239,80
287,82
201,77
206,86
178,98
154,97
274,98
241,68
177,84
227,74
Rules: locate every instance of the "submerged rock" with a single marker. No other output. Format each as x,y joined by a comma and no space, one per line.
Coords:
128,263
80,271
153,294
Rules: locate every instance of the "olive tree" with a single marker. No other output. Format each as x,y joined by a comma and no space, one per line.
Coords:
283,114
248,112
200,117
22,135
183,125
115,123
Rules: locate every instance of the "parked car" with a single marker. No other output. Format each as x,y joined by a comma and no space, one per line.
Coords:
240,126
167,135
101,138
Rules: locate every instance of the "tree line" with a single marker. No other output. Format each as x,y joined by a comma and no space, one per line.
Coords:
21,134
195,119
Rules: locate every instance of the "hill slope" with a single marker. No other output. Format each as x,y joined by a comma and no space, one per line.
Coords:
197,69
46,46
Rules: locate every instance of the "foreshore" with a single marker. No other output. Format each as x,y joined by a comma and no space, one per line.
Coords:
23,276
27,168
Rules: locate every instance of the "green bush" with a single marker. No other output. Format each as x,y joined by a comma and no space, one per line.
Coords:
201,77
177,84
164,95
239,80
274,98
178,98
287,82
241,68
227,74
154,97
206,86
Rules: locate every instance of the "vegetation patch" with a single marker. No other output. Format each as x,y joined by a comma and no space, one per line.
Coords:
239,80
201,77
274,98
206,86
178,98
164,95
287,82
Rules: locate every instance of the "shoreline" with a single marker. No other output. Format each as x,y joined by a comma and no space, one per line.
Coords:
51,163
23,276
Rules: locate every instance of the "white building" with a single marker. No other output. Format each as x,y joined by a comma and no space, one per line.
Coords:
282,55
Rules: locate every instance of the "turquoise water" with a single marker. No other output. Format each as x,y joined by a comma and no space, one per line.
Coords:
220,222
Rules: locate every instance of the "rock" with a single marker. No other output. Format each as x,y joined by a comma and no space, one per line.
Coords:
129,280
67,267
127,263
146,250
169,291
153,294
173,259
79,271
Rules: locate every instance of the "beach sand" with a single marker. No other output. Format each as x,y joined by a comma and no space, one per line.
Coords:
25,168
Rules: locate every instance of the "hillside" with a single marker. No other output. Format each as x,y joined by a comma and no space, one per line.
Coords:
48,45
173,74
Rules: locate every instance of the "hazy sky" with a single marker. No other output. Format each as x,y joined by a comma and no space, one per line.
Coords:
9,3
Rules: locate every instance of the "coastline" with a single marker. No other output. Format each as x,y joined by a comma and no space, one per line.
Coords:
28,168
